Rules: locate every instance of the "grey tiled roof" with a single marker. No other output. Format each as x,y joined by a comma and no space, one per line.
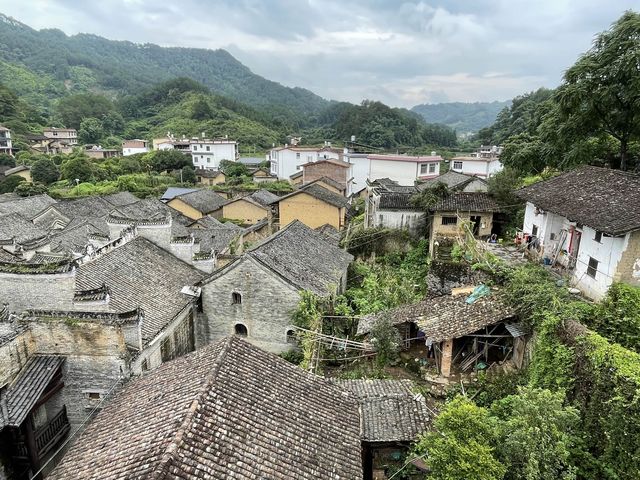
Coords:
147,210
121,198
303,257
388,185
228,410
397,201
467,202
141,274
452,179
446,316
264,197
26,390
320,193
75,236
15,227
28,207
172,192
603,199
390,410
204,200
9,331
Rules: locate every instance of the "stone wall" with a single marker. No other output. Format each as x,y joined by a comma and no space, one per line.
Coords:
628,270
14,355
265,309
43,291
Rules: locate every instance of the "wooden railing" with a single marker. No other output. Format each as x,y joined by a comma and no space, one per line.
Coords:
49,435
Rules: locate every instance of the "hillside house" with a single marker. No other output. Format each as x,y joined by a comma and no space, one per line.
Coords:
66,135
255,294
313,205
287,160
403,169
208,178
23,171
262,175
456,181
251,209
42,144
237,412
198,204
131,147
99,153
6,145
390,205
587,221
207,153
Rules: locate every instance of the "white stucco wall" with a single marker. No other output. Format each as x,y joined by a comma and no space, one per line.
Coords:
133,150
285,162
405,173
203,158
402,219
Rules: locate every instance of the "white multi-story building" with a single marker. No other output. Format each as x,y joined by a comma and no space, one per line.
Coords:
5,141
402,169
287,160
479,166
66,135
208,153
131,147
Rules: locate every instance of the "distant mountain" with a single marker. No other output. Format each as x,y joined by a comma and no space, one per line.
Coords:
464,117
47,64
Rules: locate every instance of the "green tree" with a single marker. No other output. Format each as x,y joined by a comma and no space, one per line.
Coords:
233,169
201,110
462,445
26,189
600,94
166,160
537,435
385,339
78,166
9,184
7,160
91,130
75,108
188,174
45,171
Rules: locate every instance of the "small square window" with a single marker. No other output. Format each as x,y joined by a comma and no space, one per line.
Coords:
423,168
208,148
598,237
457,165
449,220
592,269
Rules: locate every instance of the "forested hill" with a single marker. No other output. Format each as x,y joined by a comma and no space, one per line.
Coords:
463,117
47,63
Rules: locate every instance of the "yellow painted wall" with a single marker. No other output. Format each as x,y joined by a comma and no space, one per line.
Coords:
244,211
212,181
310,211
329,187
452,230
26,174
189,211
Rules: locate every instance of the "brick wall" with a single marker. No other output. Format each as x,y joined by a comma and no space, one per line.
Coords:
265,310
325,169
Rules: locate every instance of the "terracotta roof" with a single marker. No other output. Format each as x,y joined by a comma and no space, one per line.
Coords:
320,193
467,202
229,410
140,274
390,410
446,316
302,257
203,200
603,199
25,391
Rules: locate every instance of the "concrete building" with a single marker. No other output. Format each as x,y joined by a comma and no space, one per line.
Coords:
403,169
478,166
208,153
131,147
314,205
588,222
68,135
255,294
287,160
6,145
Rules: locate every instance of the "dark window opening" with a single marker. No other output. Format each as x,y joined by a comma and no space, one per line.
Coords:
236,298
593,267
291,336
241,330
145,365
94,396
598,237
534,231
449,220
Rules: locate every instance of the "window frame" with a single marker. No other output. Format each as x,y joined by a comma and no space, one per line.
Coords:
446,220
598,236
457,162
592,270
236,298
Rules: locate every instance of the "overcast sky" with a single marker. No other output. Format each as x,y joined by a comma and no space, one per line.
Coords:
402,53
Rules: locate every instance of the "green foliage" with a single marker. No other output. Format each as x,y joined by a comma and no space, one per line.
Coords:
9,184
26,189
429,197
537,435
188,174
167,160
308,315
201,110
78,166
45,171
462,445
385,339
7,160
234,169
74,109
617,317
463,117
293,356
90,130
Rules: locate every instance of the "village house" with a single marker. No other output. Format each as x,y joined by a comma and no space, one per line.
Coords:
287,160
484,162
208,178
208,153
99,153
336,170
6,145
198,204
460,335
42,144
587,221
255,294
66,135
131,147
392,417
404,169
456,181
23,171
453,211
262,175
251,209
390,205
236,412
313,205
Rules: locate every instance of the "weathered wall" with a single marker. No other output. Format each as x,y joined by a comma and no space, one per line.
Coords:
310,211
486,223
185,209
266,308
245,211
43,291
628,270
318,170
402,219
14,355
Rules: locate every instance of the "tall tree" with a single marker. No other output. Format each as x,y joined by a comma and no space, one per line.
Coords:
601,91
